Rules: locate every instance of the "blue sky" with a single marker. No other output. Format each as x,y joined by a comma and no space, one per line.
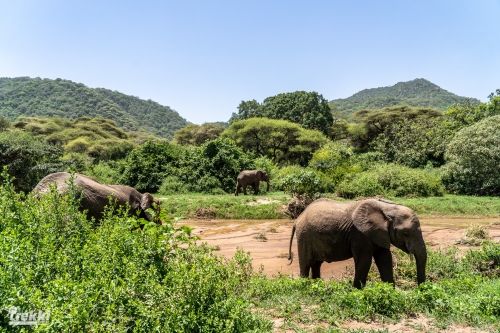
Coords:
202,58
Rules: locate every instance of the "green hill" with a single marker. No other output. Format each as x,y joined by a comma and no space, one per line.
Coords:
419,93
35,97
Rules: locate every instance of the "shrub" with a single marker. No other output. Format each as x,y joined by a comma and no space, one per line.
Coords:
27,158
171,185
303,182
333,160
109,278
393,180
146,166
472,159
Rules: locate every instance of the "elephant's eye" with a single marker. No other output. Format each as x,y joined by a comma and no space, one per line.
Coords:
406,233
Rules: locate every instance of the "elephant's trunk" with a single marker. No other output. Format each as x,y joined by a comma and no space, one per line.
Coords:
420,253
267,185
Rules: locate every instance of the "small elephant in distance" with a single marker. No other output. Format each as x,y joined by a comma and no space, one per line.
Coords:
251,177
95,196
329,230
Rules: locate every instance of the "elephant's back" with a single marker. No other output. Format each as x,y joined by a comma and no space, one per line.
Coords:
61,179
57,178
323,214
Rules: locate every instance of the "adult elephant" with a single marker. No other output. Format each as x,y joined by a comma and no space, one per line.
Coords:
95,196
329,230
251,177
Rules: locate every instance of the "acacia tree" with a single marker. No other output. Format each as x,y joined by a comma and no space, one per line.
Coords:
308,109
279,140
197,135
371,123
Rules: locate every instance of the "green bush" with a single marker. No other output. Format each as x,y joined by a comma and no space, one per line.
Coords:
473,157
172,185
334,161
27,158
112,277
393,180
306,182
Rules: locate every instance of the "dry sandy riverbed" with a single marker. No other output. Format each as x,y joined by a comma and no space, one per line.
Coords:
228,235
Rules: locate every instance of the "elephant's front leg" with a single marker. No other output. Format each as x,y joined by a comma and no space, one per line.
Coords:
256,187
315,270
383,260
362,265
244,186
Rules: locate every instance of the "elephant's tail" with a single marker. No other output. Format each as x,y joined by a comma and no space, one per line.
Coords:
290,254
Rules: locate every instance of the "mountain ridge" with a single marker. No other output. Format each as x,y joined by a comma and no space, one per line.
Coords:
417,92
36,97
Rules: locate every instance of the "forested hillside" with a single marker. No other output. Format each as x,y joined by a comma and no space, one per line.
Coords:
35,97
419,92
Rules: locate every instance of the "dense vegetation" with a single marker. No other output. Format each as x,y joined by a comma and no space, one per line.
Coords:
308,109
115,278
418,93
35,97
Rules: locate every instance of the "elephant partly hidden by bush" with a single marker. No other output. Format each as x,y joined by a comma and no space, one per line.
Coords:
95,196
329,230
251,177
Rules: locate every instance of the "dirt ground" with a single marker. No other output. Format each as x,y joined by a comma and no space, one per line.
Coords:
268,240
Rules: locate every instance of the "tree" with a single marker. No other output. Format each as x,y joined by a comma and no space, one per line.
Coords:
414,143
197,135
374,122
4,124
308,109
146,166
280,140
461,115
27,158
473,157
247,110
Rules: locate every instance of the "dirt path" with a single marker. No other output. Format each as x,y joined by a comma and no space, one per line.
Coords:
268,240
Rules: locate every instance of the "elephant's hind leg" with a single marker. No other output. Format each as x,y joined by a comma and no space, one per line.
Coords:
315,270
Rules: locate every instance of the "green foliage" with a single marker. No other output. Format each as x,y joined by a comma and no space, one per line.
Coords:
266,164
334,160
214,165
147,165
280,140
417,93
98,138
27,158
112,278
473,157
24,96
392,180
308,109
464,114
306,182
415,143
4,124
197,135
173,185
375,122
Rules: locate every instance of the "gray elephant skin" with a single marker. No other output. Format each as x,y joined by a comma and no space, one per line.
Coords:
251,177
329,230
95,196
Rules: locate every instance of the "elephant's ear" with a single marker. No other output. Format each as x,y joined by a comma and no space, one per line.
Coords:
370,219
146,201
